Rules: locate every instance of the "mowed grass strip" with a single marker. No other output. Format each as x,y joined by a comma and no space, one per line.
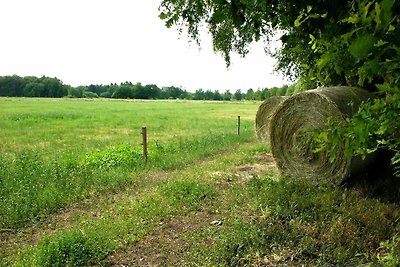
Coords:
53,153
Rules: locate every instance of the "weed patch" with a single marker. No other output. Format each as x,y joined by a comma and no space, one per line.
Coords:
122,155
73,248
320,225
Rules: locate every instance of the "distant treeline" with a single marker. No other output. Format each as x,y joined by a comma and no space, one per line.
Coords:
30,86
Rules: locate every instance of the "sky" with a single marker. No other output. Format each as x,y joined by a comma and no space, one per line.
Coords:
85,42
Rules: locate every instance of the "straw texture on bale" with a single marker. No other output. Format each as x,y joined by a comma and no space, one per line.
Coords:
291,133
264,116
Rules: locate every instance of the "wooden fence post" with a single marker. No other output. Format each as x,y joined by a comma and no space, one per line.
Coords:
144,144
238,125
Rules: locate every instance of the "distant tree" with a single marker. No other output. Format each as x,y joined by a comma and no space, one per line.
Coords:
111,89
89,94
107,94
123,92
53,87
11,86
238,95
150,91
172,92
33,88
138,91
185,95
199,94
208,95
258,95
227,96
250,94
217,95
76,92
98,89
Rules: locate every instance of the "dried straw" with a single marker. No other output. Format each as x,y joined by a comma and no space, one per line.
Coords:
264,116
291,133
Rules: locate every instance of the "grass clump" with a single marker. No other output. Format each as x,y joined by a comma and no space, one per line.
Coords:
73,248
389,255
122,155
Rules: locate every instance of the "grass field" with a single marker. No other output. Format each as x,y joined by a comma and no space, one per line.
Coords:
74,192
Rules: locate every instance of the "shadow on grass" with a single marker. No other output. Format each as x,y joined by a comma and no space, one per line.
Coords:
378,181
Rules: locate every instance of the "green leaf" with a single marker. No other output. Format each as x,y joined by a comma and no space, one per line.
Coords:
380,43
163,15
377,14
323,60
298,21
353,19
386,12
362,46
366,10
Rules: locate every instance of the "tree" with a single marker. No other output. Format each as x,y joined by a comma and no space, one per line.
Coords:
11,86
323,43
199,94
152,91
238,95
33,87
173,92
209,95
250,94
227,96
53,87
217,96
123,92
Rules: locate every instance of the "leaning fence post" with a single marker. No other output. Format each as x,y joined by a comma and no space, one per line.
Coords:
238,125
144,144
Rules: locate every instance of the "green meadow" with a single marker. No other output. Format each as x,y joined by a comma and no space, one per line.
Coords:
74,191
56,151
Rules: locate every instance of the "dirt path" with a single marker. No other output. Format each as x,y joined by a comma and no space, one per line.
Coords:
169,244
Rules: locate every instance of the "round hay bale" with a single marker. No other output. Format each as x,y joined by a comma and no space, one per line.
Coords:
264,116
291,133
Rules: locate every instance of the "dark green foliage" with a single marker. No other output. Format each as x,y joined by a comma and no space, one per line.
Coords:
32,86
238,95
15,86
123,92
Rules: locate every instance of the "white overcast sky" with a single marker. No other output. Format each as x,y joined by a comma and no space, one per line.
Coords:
86,42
